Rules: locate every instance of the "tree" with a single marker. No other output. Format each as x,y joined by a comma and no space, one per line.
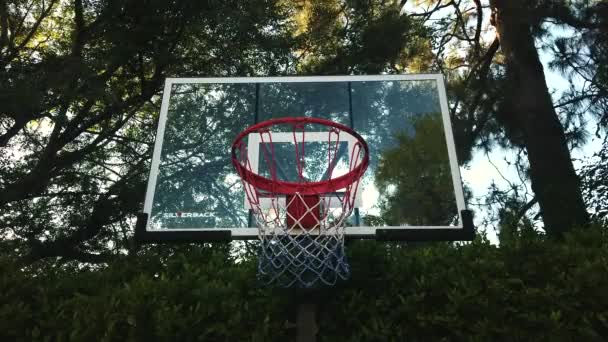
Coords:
500,96
79,97
358,37
595,184
527,110
79,102
80,85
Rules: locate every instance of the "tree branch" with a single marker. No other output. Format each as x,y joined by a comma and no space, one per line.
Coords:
478,29
523,210
120,199
14,51
4,23
79,28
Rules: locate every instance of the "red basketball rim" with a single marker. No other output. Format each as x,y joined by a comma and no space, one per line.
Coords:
309,188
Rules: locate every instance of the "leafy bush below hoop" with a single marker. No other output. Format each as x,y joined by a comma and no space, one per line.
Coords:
530,289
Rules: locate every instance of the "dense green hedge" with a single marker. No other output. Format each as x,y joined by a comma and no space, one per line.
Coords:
526,290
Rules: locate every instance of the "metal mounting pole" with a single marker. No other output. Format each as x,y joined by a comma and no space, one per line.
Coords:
306,321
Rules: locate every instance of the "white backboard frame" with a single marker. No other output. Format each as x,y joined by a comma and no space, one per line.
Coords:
361,231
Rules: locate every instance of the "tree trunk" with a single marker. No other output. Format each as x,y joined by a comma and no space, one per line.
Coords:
531,114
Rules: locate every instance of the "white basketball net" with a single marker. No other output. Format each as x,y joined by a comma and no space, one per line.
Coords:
291,255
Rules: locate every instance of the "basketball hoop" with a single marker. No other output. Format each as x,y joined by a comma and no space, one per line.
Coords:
300,220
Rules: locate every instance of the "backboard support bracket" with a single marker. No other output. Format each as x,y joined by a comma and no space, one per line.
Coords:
466,233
